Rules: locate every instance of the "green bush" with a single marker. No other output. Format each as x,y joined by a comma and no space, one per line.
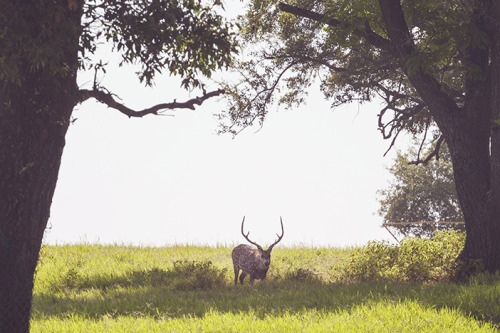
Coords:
301,275
193,275
183,276
415,259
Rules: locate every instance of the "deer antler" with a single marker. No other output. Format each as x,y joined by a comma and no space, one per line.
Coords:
279,237
246,236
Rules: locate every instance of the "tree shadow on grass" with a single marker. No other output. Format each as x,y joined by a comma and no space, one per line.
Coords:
194,289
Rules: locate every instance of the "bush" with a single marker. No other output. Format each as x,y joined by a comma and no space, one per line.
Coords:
193,275
301,275
415,259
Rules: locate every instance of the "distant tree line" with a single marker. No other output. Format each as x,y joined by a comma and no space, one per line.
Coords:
421,192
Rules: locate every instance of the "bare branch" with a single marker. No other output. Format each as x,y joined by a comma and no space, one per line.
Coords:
434,153
427,124
399,130
108,98
397,94
401,115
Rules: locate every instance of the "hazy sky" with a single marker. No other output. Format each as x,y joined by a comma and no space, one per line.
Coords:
161,180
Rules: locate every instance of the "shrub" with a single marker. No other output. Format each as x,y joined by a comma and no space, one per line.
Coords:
415,259
301,275
193,275
151,277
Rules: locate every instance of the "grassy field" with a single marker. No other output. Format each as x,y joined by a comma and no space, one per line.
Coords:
93,288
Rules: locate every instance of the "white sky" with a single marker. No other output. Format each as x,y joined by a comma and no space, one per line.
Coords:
164,180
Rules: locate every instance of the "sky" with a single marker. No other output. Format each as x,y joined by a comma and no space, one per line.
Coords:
164,180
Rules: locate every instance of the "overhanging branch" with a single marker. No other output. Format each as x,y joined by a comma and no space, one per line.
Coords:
297,11
108,98
429,89
372,37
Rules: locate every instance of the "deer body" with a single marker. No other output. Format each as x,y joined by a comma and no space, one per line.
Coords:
252,262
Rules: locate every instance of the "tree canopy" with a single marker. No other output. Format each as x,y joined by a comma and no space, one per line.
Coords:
428,63
345,46
185,38
420,193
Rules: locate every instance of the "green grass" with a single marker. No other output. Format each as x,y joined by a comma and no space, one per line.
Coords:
93,288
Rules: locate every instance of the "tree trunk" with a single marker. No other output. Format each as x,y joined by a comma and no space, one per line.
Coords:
478,179
475,141
34,121
492,264
472,179
36,101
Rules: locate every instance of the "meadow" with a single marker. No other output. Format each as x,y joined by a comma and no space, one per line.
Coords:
96,288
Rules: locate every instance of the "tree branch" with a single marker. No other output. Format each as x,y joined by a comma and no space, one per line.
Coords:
397,29
372,37
304,58
396,94
434,153
268,93
297,11
107,98
398,131
427,124
429,89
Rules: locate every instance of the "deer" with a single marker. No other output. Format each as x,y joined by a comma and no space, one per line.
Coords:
253,262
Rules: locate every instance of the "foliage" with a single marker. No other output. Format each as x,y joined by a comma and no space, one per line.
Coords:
35,35
184,275
415,259
123,288
342,47
184,37
194,275
418,193
301,275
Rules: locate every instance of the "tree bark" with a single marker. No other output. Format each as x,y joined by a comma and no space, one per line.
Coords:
476,141
471,165
35,110
493,261
31,145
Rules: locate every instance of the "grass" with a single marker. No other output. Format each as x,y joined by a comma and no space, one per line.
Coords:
94,288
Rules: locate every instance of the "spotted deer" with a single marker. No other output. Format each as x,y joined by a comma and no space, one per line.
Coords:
251,261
